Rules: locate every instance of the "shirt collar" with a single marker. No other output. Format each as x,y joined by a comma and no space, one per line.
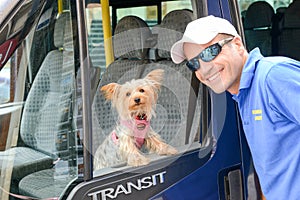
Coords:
249,69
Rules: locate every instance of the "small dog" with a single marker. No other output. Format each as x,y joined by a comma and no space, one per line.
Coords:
135,103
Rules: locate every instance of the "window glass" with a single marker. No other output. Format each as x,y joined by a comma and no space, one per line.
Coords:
272,26
5,7
168,6
175,118
5,83
41,154
95,36
244,4
147,13
95,26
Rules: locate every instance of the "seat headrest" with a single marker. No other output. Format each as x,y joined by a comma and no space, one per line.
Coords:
130,38
63,32
291,15
258,15
171,30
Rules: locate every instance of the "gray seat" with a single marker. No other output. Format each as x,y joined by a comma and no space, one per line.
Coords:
175,92
47,121
22,161
130,50
289,44
42,121
171,30
258,27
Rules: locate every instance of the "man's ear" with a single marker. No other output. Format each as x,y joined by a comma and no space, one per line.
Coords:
156,77
237,41
109,90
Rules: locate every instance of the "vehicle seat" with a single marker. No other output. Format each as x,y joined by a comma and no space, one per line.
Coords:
130,50
47,122
258,27
31,154
289,44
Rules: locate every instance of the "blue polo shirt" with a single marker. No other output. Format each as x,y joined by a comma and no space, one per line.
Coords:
269,105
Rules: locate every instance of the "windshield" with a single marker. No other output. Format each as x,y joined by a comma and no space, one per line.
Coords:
17,19
37,102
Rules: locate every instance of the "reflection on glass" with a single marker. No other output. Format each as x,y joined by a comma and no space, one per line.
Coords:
5,83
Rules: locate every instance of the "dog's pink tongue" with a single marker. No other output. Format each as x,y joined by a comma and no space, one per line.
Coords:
141,126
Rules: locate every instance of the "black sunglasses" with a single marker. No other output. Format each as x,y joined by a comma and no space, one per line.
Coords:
207,55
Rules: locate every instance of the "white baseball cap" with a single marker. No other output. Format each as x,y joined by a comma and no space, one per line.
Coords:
201,31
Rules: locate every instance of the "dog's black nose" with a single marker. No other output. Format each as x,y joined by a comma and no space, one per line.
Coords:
137,100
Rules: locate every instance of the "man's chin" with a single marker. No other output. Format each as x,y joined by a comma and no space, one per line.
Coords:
218,90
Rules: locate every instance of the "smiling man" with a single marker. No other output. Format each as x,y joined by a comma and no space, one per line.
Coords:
201,47
266,90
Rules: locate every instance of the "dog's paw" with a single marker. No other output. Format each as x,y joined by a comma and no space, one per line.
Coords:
172,151
137,160
167,150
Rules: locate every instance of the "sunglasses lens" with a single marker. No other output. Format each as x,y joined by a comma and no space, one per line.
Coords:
206,55
210,52
193,64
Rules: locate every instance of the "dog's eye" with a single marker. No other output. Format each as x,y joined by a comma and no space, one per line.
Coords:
142,90
128,94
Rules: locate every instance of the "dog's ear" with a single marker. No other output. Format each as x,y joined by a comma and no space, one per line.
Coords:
156,76
109,90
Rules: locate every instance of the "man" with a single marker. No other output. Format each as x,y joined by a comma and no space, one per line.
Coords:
267,90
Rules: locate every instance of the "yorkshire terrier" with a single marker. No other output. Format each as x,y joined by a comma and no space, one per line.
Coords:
135,103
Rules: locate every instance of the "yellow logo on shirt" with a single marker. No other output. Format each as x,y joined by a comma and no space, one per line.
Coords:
257,114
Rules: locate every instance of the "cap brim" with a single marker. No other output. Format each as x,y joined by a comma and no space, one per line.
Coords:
177,53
